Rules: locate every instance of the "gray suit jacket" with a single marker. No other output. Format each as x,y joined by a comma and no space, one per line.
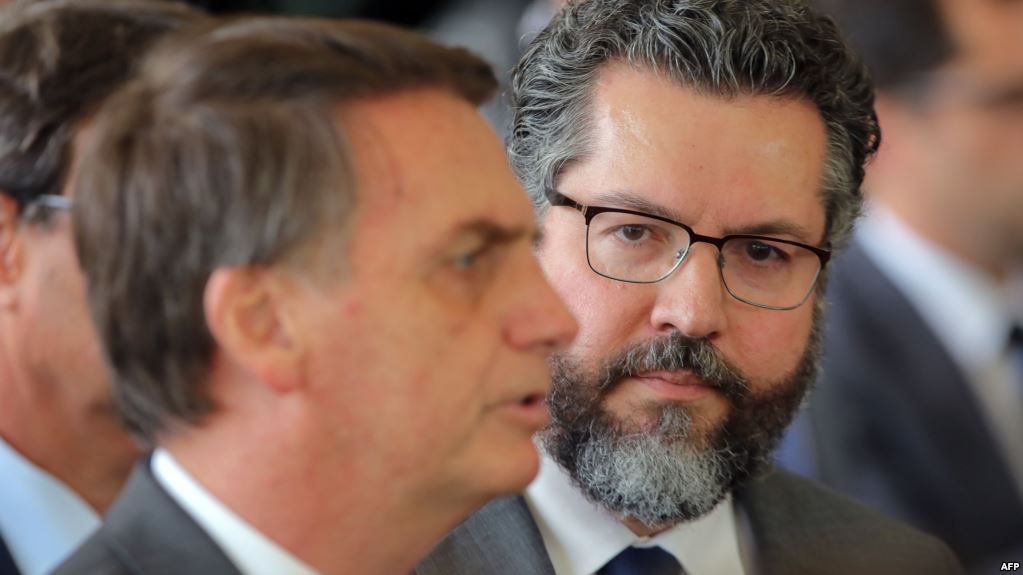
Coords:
147,533
799,528
895,425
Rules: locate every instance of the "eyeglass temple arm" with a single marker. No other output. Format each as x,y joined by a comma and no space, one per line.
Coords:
558,200
51,201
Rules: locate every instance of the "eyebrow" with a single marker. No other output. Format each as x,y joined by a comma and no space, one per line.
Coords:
630,201
773,228
489,231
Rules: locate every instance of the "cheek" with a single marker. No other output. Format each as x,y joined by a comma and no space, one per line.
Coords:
770,343
61,312
432,365
609,313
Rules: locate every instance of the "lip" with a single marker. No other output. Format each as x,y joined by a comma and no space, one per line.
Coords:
529,412
676,385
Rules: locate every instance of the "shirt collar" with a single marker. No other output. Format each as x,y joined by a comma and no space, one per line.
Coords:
251,551
41,519
580,537
965,308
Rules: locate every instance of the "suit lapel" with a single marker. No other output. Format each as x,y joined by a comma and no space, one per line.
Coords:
150,534
499,539
779,539
7,566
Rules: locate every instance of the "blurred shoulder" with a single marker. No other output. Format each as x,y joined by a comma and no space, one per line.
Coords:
800,526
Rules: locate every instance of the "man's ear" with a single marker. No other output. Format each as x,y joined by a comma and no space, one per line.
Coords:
11,258
247,311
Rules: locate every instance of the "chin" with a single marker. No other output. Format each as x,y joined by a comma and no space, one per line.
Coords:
513,470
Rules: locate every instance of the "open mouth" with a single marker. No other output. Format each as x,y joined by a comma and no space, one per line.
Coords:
529,411
532,400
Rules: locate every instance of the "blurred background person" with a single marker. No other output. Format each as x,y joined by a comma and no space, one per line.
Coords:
920,408
496,30
63,456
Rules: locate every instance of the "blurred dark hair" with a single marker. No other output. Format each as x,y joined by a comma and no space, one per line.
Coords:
899,40
227,150
58,60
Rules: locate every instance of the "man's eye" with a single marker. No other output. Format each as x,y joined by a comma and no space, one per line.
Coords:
759,251
468,259
633,232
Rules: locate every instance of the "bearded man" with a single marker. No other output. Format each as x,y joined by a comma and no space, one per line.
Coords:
693,163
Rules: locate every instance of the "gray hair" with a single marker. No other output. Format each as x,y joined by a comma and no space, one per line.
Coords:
225,151
724,48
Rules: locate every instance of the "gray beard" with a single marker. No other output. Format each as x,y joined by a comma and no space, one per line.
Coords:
659,473
644,477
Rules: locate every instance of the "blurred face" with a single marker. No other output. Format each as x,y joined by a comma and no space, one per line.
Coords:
972,125
435,366
674,390
52,345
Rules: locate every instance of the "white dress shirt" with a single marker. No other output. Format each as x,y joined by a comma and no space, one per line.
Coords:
252,552
41,520
967,310
582,537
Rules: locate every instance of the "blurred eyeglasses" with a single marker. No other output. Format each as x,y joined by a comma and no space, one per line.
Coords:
39,208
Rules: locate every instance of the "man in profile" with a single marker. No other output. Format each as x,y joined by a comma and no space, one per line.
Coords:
694,164
319,298
63,456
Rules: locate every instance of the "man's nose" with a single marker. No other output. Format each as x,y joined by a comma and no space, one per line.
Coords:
541,323
691,300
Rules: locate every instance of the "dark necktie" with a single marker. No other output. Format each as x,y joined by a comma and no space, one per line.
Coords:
642,561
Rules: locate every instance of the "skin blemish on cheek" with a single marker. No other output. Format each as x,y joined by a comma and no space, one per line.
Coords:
420,382
352,308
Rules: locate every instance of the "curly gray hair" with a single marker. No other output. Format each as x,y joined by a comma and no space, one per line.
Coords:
725,48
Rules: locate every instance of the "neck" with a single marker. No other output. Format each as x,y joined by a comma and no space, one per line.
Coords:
952,234
642,529
324,507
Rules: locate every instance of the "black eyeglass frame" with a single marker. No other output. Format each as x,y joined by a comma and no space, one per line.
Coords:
558,199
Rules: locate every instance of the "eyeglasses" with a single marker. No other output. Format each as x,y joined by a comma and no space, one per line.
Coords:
635,247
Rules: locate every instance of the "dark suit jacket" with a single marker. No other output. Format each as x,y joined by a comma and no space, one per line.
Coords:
7,566
147,533
799,529
895,425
